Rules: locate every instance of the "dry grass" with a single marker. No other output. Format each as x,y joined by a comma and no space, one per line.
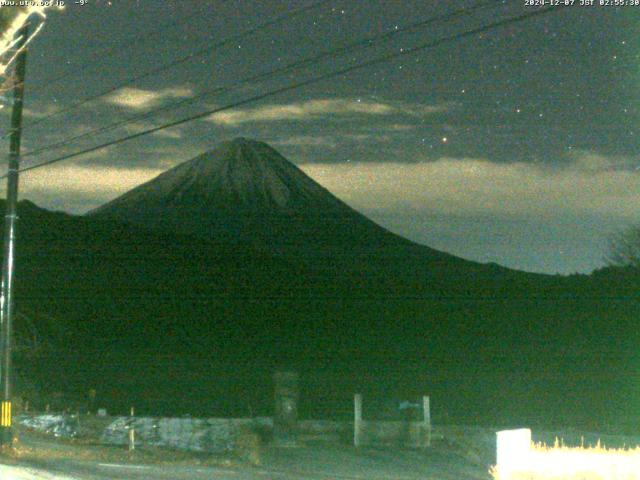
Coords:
42,446
248,446
560,462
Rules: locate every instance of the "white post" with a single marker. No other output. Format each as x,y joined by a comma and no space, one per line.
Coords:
426,409
512,450
357,420
132,432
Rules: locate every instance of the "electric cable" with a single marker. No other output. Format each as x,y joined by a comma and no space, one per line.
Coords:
176,62
348,48
297,85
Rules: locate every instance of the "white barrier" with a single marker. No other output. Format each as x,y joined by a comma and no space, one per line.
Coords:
512,450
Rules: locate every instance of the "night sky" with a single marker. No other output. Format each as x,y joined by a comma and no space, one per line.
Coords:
517,146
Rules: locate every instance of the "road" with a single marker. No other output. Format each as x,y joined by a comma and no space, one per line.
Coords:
46,458
77,470
74,470
298,464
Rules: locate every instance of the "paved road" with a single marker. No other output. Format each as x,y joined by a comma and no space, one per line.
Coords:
302,464
68,470
75,470
55,460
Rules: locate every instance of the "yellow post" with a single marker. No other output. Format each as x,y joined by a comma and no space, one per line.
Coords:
5,420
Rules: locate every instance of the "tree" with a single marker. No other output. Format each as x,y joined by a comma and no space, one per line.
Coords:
624,248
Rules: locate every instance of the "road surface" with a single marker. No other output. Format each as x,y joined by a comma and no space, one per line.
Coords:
46,458
293,464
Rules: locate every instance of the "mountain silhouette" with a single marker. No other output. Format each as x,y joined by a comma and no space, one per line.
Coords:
244,189
210,276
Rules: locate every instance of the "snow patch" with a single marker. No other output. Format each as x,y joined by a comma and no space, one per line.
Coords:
215,435
65,426
21,473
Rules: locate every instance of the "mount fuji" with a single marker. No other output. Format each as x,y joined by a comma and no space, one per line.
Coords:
245,191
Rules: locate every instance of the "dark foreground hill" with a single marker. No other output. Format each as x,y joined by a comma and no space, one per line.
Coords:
173,321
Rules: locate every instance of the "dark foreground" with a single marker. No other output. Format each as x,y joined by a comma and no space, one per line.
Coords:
44,458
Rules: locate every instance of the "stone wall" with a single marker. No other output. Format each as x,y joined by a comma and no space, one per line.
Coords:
214,435
410,434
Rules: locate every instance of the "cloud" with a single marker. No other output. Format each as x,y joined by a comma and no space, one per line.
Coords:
138,99
174,133
400,127
307,141
594,162
165,156
367,137
320,108
40,111
95,185
476,187
419,110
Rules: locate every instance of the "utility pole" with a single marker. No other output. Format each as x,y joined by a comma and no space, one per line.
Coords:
6,294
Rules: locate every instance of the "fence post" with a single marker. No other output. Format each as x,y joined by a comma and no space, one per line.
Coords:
357,420
132,432
285,419
426,409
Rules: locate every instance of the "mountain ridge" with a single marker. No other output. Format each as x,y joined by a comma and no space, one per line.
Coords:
244,189
143,316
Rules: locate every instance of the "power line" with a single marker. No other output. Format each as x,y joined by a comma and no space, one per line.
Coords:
366,42
119,47
378,60
179,61
311,81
